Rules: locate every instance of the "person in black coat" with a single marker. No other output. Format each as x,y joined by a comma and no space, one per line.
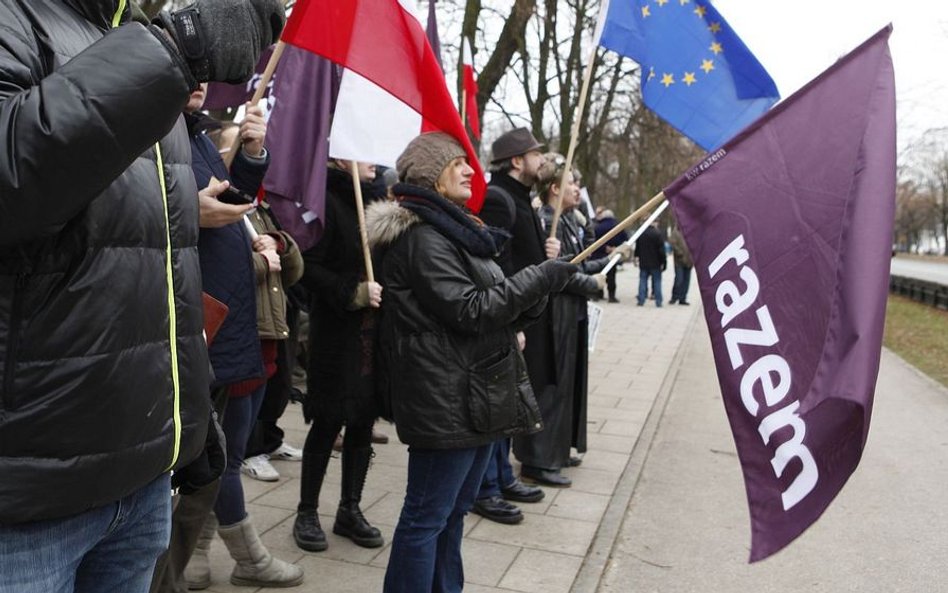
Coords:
652,260
340,378
516,160
104,387
544,454
451,371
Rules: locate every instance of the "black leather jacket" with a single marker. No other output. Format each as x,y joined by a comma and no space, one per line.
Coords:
450,366
103,368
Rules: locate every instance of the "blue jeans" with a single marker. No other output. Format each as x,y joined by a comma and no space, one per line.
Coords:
656,275
682,283
239,418
499,472
106,549
426,546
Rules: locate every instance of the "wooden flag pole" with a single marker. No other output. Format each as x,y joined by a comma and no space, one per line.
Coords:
360,208
573,138
257,95
626,223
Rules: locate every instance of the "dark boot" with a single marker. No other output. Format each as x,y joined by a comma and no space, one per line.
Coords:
307,531
350,522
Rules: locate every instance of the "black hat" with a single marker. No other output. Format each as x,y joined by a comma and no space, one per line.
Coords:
514,143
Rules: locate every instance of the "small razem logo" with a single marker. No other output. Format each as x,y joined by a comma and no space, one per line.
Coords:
706,164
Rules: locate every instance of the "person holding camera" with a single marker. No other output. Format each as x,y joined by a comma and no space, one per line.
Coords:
104,387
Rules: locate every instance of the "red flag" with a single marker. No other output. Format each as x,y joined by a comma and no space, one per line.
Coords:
384,42
470,90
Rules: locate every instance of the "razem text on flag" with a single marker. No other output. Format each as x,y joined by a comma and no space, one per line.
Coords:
790,224
696,73
383,42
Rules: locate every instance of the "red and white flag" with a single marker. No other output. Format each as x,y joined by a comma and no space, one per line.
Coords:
383,42
470,89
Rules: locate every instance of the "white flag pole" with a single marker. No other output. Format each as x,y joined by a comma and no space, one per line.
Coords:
615,258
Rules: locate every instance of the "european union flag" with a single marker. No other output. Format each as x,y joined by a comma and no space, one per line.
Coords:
697,74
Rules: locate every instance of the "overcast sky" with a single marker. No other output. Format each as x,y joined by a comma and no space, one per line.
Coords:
796,40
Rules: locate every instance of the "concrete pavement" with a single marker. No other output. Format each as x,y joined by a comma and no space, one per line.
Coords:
687,527
658,504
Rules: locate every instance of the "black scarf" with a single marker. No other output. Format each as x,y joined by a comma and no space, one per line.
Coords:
461,228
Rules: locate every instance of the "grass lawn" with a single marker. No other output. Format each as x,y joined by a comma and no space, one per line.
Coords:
919,334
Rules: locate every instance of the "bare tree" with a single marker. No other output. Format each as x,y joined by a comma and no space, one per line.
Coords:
623,151
914,214
927,168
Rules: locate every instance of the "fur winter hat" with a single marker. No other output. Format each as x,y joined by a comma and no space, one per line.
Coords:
426,157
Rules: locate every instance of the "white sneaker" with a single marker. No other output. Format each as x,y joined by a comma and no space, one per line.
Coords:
258,467
287,453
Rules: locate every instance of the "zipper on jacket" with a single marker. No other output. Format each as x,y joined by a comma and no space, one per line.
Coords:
172,313
117,17
13,339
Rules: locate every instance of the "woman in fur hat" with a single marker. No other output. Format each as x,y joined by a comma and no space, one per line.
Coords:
452,376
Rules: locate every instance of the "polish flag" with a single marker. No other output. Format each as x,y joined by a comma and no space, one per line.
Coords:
470,89
382,43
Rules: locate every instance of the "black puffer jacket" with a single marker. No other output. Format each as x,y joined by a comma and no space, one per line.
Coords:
103,369
449,359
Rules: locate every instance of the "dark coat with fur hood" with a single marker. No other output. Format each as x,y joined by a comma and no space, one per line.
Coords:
449,364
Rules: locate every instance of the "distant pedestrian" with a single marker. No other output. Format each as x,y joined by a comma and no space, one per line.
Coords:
605,223
683,266
652,261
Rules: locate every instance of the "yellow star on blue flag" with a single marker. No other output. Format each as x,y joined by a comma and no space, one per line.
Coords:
711,86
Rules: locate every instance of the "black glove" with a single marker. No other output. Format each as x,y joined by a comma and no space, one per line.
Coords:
221,40
208,466
558,272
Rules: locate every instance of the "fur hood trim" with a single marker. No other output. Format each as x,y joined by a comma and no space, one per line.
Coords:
385,221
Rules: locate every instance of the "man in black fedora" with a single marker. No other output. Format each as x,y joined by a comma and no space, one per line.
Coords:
516,159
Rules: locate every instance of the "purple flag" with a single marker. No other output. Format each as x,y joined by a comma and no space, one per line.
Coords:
298,142
221,95
431,30
790,224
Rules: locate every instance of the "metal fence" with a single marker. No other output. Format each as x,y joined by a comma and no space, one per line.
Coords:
922,291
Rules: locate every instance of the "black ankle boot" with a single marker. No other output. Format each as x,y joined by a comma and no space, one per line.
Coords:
308,533
350,522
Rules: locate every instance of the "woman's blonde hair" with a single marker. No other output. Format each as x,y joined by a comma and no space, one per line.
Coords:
549,173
